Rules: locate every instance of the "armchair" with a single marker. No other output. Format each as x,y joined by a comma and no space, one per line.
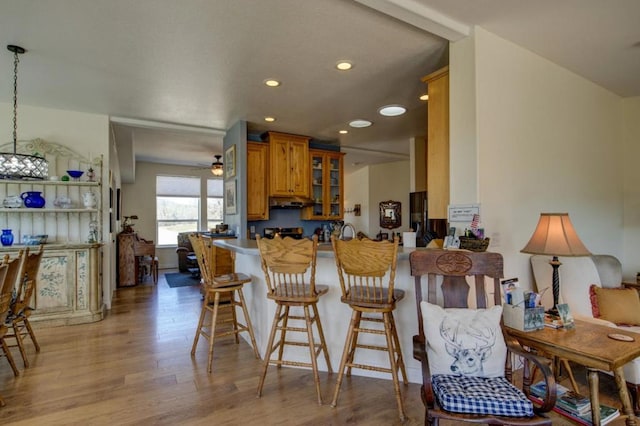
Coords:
187,260
577,274
466,362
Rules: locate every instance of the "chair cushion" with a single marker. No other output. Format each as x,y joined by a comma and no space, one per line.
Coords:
480,395
618,305
467,342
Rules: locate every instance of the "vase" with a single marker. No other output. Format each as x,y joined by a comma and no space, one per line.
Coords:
33,199
6,238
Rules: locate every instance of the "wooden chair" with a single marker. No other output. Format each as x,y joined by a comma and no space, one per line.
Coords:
367,270
451,269
11,282
219,284
5,305
289,267
21,311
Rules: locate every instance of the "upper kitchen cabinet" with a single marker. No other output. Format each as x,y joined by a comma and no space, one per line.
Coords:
438,143
288,165
257,183
326,186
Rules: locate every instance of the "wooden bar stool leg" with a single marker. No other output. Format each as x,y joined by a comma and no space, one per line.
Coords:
394,367
270,348
248,323
312,352
354,341
7,353
236,329
321,335
345,355
398,352
283,333
203,313
214,318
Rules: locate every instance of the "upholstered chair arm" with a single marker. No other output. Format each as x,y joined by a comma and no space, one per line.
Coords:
183,250
540,363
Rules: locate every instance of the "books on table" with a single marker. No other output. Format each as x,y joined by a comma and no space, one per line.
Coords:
574,406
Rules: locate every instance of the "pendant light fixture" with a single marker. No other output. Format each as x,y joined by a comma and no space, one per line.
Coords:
12,164
217,167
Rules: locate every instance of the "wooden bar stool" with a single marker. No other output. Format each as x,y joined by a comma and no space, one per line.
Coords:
289,267
363,266
219,294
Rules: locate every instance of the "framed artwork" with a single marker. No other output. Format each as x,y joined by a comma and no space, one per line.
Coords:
230,162
390,214
230,201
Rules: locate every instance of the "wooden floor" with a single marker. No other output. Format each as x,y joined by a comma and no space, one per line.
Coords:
134,367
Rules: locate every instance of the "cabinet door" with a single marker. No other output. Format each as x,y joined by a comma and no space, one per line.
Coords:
299,168
257,208
335,186
279,167
326,186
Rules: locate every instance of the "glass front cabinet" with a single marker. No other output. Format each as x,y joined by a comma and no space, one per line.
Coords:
326,186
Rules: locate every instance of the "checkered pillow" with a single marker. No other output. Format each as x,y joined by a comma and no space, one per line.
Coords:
480,395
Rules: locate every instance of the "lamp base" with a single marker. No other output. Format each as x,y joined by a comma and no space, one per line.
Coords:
553,312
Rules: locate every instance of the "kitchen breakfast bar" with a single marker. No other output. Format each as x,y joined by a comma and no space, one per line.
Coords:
334,315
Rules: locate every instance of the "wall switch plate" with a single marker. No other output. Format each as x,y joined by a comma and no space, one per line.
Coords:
252,229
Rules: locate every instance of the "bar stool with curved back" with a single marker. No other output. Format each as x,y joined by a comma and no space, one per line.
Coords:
21,311
289,267
220,283
467,391
367,270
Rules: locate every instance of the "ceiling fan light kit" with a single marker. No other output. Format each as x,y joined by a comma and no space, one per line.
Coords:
217,168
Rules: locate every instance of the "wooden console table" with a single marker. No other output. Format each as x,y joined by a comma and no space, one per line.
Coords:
589,345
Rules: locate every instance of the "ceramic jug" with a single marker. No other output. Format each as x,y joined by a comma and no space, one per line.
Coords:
6,238
12,202
62,202
33,199
89,200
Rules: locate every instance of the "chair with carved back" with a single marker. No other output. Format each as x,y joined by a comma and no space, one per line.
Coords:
366,270
220,284
21,310
289,266
462,348
5,308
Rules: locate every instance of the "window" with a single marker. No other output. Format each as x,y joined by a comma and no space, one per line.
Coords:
177,207
215,203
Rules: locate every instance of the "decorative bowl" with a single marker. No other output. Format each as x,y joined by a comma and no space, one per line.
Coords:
75,173
34,240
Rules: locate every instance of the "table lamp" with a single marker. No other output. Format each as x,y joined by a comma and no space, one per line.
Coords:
555,236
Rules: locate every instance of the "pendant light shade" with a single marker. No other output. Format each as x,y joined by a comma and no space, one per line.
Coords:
12,164
217,168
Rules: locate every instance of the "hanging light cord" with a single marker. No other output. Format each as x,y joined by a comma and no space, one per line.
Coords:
15,100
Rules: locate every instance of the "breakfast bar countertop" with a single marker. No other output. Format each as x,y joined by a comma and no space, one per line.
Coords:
250,247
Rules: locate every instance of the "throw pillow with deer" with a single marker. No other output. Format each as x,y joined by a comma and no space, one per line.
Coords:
464,342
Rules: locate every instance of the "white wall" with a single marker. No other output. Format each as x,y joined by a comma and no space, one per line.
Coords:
354,194
547,140
388,181
631,140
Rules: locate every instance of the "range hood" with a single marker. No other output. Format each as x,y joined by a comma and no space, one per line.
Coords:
289,202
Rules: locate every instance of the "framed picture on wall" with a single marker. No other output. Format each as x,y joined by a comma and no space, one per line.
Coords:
230,200
230,162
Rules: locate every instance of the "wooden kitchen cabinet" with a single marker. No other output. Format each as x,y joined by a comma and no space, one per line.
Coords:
326,186
257,183
288,165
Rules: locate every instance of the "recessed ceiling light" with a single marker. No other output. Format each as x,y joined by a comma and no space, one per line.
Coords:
271,82
269,119
360,123
424,97
343,132
392,110
344,65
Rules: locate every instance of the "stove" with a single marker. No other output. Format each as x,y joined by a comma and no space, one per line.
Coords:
283,232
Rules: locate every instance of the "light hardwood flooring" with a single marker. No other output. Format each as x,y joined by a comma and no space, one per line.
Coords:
134,367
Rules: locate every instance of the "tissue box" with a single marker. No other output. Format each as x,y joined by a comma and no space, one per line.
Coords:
525,319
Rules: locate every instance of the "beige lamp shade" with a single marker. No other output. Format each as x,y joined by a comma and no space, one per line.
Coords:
555,236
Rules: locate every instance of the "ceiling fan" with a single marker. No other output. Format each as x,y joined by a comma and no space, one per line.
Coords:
217,167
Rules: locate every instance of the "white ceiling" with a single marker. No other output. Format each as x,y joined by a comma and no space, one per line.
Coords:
176,74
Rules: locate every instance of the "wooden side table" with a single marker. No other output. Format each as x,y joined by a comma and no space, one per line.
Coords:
589,345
